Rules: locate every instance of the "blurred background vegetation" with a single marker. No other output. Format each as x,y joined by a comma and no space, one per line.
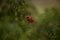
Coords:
14,26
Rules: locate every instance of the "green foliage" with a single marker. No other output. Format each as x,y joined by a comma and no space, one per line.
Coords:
14,26
13,19
13,8
50,25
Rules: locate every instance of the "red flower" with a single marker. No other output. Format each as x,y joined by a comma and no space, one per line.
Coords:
29,19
